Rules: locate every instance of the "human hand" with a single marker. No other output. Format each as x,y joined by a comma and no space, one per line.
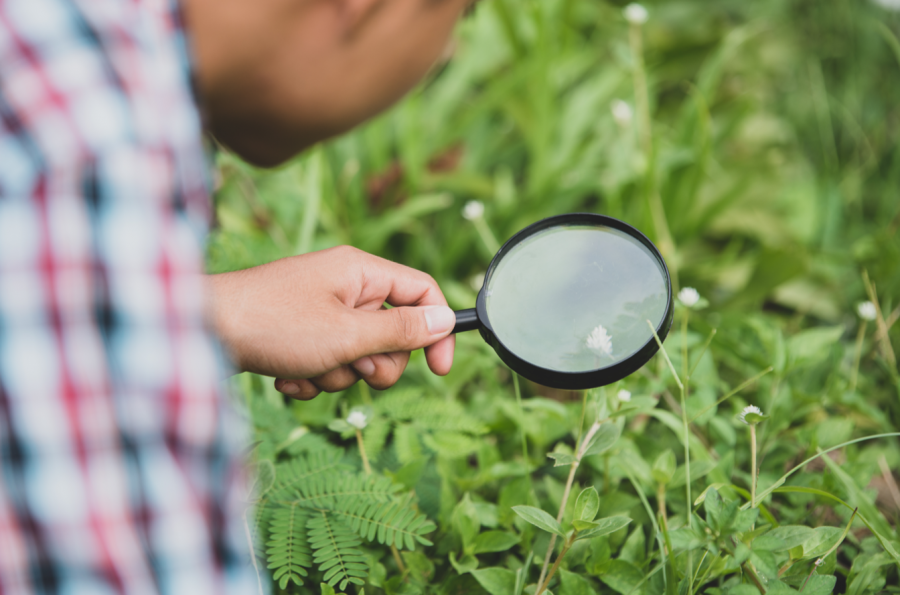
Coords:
317,321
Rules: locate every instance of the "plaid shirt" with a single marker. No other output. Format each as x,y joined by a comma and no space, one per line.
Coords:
117,456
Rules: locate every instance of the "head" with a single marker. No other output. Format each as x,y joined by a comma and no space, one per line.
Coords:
277,76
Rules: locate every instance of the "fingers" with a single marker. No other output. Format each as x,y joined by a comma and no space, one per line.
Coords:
383,370
302,390
440,355
398,329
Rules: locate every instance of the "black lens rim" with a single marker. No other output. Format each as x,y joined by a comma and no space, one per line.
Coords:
575,380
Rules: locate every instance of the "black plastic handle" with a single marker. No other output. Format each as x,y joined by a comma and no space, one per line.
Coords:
466,320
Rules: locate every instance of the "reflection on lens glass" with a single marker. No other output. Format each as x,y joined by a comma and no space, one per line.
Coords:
576,298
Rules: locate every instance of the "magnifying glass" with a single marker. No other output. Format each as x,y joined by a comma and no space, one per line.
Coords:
565,302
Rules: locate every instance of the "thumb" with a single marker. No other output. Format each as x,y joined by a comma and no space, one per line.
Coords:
405,328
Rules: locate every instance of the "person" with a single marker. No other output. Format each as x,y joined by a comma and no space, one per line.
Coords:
119,467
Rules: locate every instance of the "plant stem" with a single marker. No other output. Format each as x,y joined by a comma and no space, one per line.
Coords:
661,502
362,453
753,466
521,417
860,336
753,577
253,553
687,453
543,586
645,132
562,505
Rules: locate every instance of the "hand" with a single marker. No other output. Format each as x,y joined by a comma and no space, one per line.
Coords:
318,322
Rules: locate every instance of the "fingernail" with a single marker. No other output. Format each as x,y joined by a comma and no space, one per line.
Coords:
289,388
439,319
364,366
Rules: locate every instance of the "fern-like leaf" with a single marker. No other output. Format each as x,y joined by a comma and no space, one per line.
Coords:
322,491
392,523
291,475
287,549
335,551
429,413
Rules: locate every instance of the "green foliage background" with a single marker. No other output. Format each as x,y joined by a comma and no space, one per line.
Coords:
769,177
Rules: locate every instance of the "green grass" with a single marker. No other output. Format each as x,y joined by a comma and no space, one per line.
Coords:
773,166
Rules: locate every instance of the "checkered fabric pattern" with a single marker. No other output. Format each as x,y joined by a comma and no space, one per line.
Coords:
117,453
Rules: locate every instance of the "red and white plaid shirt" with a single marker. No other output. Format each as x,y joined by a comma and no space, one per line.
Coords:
117,456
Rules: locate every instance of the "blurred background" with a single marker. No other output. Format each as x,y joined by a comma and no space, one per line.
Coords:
755,142
763,158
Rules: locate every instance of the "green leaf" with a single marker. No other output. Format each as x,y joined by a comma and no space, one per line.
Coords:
539,519
582,525
574,584
664,467
604,526
785,537
605,437
587,504
561,459
335,550
496,581
819,584
621,576
494,541
465,564
288,551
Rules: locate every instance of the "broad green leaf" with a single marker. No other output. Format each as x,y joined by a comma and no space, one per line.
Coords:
561,459
856,497
465,564
821,541
539,519
605,437
621,576
604,526
465,521
785,537
494,541
664,467
582,525
573,583
587,504
496,581
820,585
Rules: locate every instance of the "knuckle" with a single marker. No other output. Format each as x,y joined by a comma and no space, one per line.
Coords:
406,325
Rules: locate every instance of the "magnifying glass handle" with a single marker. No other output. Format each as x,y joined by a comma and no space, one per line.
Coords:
466,320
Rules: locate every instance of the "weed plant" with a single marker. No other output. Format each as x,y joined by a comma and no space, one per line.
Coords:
758,143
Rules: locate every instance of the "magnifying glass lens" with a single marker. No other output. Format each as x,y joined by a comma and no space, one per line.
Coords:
575,298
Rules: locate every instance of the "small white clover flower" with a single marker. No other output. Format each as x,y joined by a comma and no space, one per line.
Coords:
473,210
688,296
748,410
622,112
357,419
624,395
636,14
600,341
866,310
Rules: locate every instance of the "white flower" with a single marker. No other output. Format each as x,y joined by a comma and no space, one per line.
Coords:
688,296
749,409
636,14
600,341
866,310
473,210
622,112
357,419
624,395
